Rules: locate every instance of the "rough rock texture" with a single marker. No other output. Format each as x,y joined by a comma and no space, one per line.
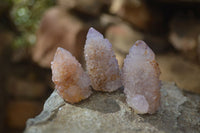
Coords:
59,29
140,77
72,83
184,72
109,113
101,63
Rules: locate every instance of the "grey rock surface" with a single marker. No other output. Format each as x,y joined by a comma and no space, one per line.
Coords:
109,113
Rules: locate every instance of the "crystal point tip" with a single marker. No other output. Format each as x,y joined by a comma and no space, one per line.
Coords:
93,33
59,49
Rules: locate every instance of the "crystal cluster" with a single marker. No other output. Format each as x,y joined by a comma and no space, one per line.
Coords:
101,63
140,73
70,80
140,76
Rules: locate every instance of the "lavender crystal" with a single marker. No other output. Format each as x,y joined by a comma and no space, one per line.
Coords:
141,82
101,62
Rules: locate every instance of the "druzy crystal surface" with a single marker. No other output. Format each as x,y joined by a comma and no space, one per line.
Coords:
140,75
101,63
70,80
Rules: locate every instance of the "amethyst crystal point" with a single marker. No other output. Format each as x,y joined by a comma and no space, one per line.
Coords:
141,82
72,83
101,63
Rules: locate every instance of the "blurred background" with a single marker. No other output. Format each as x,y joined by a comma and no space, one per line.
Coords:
31,31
